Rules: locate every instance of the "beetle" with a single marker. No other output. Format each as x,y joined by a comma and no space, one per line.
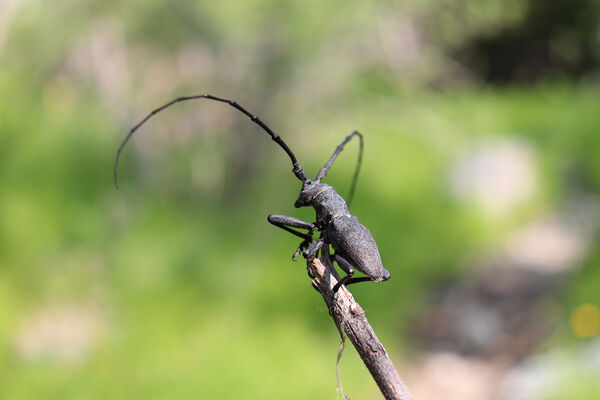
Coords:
353,244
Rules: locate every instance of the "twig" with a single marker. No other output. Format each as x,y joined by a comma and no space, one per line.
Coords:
349,316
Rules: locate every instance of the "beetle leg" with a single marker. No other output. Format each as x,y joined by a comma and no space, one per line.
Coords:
313,248
356,280
287,223
303,245
346,267
344,264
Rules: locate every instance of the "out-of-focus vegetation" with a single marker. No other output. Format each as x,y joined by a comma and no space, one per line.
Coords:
176,286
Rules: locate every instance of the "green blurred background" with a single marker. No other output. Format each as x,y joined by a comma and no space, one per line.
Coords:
481,123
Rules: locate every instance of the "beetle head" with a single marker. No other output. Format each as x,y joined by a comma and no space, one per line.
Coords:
309,190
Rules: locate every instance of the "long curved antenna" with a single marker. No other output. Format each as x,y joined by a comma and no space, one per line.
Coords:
296,167
323,171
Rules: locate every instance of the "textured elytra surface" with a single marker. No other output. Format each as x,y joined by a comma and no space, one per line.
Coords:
355,243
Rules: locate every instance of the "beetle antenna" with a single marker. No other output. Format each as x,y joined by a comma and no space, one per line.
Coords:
323,171
296,167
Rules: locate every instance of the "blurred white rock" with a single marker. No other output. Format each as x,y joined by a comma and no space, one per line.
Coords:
453,376
542,375
549,244
65,333
496,175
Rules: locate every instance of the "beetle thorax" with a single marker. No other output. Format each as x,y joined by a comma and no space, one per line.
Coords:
324,198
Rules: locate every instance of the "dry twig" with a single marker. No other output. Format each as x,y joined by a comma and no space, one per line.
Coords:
349,316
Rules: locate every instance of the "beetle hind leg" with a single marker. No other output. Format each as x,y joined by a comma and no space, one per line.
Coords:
347,268
349,279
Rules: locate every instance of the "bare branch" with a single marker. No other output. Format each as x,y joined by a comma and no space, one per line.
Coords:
349,316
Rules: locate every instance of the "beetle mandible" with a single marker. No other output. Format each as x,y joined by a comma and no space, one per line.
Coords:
353,243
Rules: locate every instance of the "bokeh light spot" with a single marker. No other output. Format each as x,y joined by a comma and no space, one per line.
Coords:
585,320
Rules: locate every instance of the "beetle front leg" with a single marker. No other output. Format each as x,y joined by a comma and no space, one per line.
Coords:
312,249
287,223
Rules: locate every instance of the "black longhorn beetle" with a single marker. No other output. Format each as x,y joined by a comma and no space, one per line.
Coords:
352,242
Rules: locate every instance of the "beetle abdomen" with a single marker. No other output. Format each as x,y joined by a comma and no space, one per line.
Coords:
353,241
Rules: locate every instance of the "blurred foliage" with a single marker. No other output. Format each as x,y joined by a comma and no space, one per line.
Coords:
191,292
